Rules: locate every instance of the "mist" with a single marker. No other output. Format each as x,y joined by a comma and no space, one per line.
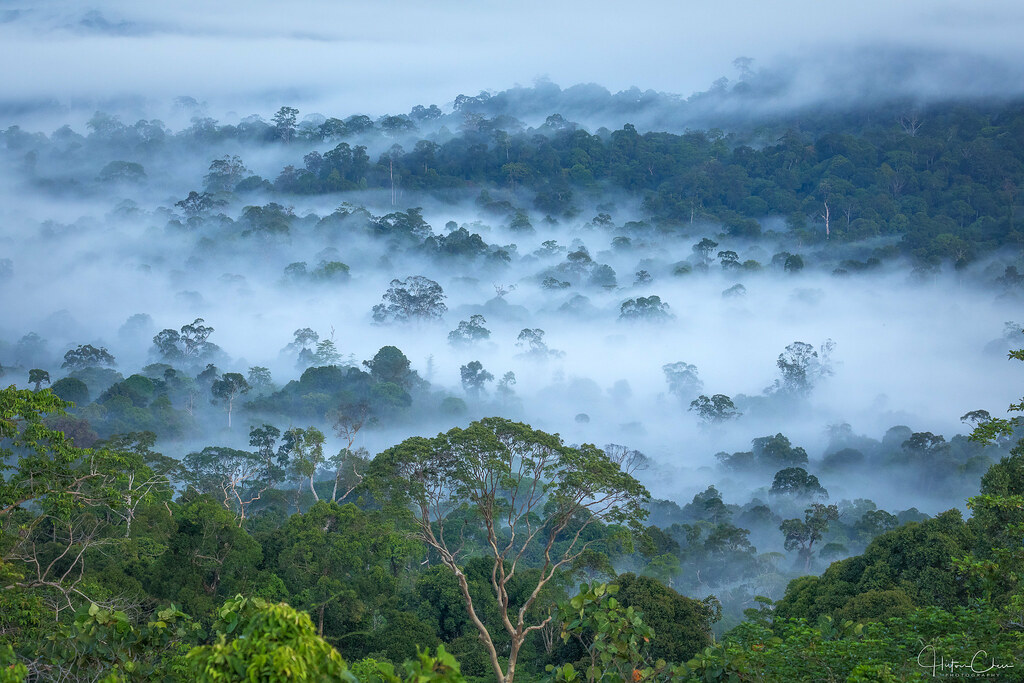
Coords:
82,268
670,225
380,58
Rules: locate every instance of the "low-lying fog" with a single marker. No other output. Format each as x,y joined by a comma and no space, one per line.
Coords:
907,351
78,259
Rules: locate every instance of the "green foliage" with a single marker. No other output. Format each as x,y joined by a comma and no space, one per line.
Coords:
715,409
796,482
614,637
40,465
11,670
646,309
71,390
101,643
915,558
682,625
339,564
415,298
440,667
525,493
208,558
87,355
261,641
897,649
469,332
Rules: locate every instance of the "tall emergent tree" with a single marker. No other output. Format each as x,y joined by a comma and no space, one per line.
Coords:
474,377
37,377
228,388
802,535
528,491
414,298
87,356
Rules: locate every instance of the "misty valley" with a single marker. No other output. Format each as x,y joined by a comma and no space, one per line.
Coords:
546,384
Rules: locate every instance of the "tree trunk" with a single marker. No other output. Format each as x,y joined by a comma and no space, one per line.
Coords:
485,636
513,656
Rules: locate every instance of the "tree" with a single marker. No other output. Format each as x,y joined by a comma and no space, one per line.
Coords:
31,350
166,344
925,444
802,535
682,625
415,298
225,174
683,381
775,452
306,451
228,388
613,636
237,478
72,390
389,364
794,263
326,353
303,339
37,377
284,123
474,377
645,308
528,491
505,384
103,644
796,482
302,344
330,560
259,380
469,331
196,203
350,464
189,343
53,502
515,172
801,366
261,641
87,356
975,418
703,249
193,339
873,523
122,171
717,408
729,259
533,340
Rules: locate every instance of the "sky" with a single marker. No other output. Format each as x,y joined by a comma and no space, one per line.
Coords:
385,57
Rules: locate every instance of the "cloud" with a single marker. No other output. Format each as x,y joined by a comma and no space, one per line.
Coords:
388,56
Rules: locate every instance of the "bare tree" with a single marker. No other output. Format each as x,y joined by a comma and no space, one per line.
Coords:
910,123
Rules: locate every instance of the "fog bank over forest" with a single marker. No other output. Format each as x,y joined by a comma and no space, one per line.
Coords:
104,251
378,58
730,287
